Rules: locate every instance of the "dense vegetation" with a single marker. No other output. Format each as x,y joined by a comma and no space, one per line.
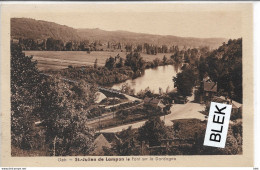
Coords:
223,66
26,28
116,70
151,139
192,137
58,107
153,131
24,89
99,75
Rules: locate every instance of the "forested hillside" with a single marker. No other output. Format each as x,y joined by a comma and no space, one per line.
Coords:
137,38
36,29
26,28
223,66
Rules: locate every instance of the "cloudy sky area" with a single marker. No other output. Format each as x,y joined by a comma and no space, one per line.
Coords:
204,24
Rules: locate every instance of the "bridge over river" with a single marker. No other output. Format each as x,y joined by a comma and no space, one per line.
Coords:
111,90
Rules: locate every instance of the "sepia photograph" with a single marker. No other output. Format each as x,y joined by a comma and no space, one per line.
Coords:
125,82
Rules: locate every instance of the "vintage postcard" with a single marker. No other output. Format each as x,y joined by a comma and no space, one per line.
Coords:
127,84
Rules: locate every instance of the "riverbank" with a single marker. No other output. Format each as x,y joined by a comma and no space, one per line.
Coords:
57,60
100,75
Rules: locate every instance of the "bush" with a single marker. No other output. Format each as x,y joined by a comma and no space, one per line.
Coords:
153,131
25,80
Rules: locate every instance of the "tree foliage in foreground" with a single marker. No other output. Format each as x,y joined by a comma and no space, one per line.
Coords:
153,131
25,79
128,143
59,105
225,67
64,114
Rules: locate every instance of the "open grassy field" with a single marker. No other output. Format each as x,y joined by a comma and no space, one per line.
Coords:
61,59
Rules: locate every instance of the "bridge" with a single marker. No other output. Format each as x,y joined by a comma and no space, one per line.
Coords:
111,90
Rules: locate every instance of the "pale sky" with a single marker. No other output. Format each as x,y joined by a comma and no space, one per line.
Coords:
201,24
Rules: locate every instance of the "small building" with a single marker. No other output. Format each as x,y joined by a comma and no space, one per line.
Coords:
99,97
153,102
209,89
102,141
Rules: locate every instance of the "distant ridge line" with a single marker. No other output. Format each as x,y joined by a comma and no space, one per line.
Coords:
40,29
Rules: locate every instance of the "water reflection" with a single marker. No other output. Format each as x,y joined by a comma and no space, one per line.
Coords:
160,77
177,66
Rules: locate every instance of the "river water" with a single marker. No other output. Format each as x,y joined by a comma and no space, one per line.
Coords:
156,78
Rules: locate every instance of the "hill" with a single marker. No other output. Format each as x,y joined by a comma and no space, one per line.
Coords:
37,29
131,37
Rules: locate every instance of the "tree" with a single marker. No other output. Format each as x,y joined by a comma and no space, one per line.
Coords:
95,63
145,93
202,68
139,48
156,62
50,44
164,49
164,59
110,63
59,45
232,59
185,81
128,48
224,66
127,145
153,131
25,79
126,88
232,147
69,46
136,62
60,106
177,58
64,116
120,63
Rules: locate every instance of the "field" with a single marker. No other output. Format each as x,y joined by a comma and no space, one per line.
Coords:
62,59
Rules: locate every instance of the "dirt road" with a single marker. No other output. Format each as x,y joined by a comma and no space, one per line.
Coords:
178,111
189,110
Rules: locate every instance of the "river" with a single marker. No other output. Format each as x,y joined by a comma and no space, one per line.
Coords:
154,78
